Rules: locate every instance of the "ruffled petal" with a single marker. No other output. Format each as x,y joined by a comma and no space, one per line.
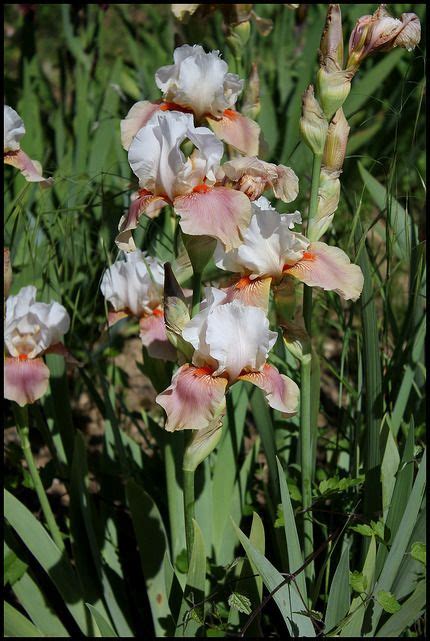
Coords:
250,292
25,381
218,212
329,268
193,400
237,130
136,118
30,169
281,392
147,203
154,338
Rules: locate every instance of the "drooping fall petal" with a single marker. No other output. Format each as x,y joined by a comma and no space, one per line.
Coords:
25,381
145,203
238,131
250,292
194,399
154,338
136,118
281,392
30,169
329,268
218,212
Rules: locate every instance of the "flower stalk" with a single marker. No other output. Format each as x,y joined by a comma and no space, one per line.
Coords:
21,417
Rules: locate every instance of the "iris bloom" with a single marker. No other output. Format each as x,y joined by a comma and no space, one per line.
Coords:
134,287
13,155
166,176
231,342
198,83
271,250
31,330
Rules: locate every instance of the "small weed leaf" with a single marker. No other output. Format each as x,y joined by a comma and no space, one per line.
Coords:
418,552
358,582
388,602
240,602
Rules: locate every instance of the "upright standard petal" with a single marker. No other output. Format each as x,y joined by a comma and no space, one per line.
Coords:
238,131
218,212
199,81
281,392
25,381
329,268
239,338
13,129
136,118
194,399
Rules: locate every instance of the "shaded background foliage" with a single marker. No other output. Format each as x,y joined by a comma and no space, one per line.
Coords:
72,72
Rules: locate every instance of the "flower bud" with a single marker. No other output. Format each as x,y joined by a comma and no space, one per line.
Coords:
335,144
238,37
251,103
313,124
382,32
7,272
328,200
183,11
333,88
203,442
331,46
296,340
176,313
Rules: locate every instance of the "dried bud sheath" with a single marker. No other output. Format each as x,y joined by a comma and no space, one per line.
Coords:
337,139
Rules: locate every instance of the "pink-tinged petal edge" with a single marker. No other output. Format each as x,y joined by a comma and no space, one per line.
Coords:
219,212
194,399
330,268
281,392
238,131
154,338
250,292
25,381
30,169
147,203
136,118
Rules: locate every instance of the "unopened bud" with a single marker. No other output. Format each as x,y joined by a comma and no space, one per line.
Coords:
238,37
183,11
251,104
335,144
313,124
328,201
333,88
331,46
176,313
296,340
203,442
7,272
382,32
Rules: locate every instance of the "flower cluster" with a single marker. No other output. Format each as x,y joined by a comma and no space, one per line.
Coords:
229,338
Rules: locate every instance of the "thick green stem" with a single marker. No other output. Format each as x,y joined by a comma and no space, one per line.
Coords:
21,416
197,284
306,460
188,479
306,394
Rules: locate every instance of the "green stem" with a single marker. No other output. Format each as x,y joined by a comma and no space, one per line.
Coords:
306,460
306,394
188,479
21,416
197,284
